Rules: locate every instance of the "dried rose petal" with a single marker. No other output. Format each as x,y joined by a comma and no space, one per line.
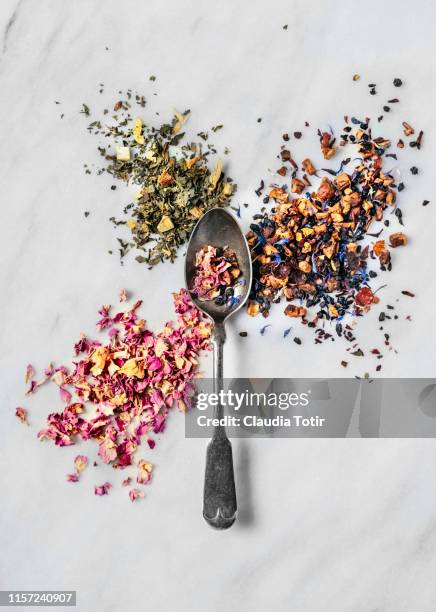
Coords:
144,472
34,384
108,450
84,345
126,482
32,388
135,494
105,320
29,373
80,463
123,295
21,413
65,395
49,370
102,489
72,477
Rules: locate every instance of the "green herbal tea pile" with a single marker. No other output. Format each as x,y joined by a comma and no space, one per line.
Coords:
315,247
175,184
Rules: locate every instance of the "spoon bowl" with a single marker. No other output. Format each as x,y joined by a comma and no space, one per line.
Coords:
219,228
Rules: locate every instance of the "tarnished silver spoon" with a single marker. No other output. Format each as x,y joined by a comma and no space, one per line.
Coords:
219,228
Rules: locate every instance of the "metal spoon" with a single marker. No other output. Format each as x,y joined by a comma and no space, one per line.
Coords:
218,228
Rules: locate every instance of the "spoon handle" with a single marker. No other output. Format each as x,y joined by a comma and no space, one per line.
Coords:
219,501
219,337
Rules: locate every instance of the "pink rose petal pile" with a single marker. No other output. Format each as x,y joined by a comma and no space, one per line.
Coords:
133,380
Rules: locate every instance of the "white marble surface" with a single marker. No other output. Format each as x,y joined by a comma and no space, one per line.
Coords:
332,525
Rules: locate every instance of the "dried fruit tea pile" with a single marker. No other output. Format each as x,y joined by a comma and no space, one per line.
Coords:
217,271
133,380
307,248
313,247
175,185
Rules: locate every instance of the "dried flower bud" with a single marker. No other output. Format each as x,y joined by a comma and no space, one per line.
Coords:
398,239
